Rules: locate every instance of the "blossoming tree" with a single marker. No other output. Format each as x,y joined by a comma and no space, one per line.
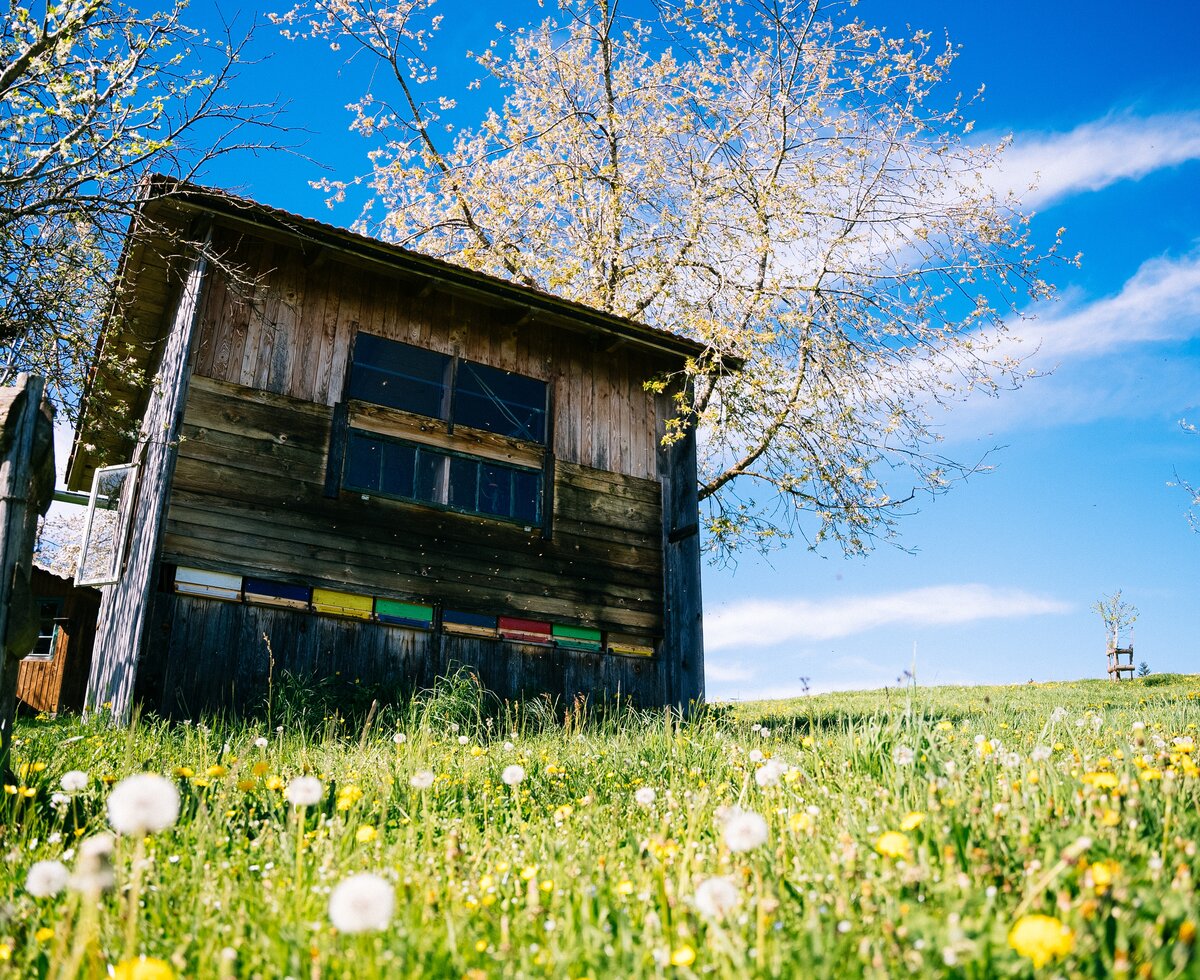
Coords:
780,181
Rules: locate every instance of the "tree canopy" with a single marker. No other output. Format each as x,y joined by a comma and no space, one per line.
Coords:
778,180
93,95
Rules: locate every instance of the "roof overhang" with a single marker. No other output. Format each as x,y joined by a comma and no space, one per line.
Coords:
172,214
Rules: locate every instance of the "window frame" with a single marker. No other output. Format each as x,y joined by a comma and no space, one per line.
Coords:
57,621
127,495
434,432
444,480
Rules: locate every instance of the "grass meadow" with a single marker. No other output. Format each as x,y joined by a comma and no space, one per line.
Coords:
1044,829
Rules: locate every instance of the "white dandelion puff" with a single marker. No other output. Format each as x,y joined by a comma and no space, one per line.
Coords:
304,791
645,796
143,804
93,865
399,738
361,903
716,897
261,742
46,878
513,775
903,755
756,755
1040,753
74,781
744,831
421,780
770,773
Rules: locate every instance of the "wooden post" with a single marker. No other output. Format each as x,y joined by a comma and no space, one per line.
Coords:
26,487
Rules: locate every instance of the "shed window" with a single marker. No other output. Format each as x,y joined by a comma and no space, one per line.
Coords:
439,386
468,484
50,611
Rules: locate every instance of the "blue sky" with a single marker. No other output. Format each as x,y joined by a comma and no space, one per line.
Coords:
998,575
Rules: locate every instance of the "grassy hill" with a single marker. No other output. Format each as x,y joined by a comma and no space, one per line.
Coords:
985,831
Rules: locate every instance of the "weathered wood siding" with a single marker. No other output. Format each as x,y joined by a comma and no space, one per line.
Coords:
290,334
123,608
248,496
217,660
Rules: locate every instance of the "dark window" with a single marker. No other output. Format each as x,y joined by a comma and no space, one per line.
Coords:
499,401
399,375
416,380
49,614
393,468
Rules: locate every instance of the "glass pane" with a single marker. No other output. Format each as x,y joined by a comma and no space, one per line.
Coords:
495,490
464,475
364,457
431,476
110,508
399,465
527,496
399,375
501,402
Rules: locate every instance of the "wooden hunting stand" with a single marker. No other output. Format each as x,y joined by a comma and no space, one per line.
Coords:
1120,658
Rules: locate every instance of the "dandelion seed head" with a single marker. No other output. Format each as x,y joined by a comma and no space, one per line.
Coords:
46,878
645,796
304,791
744,831
716,898
421,780
74,781
513,775
143,804
362,903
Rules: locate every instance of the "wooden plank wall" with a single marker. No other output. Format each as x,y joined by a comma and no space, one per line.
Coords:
58,684
217,659
248,496
290,334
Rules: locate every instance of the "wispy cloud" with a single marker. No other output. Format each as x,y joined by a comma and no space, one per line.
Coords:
760,623
1097,154
1161,301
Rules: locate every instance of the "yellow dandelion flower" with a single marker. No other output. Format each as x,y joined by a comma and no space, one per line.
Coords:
43,934
529,871
245,785
144,968
481,945
1151,775
275,782
944,726
1103,873
912,821
476,751
201,781
348,796
364,835
800,823
625,887
184,772
893,844
1110,818
259,768
683,956
5,952
1100,780
216,772
1041,938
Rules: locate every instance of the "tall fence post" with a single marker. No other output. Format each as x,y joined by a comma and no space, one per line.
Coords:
26,488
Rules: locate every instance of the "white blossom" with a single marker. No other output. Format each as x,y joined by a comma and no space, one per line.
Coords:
399,738
361,903
422,779
143,804
716,897
46,878
645,796
304,791
756,755
93,865
261,742
1040,753
903,755
512,775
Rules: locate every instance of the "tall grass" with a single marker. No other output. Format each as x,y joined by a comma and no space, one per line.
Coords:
1074,801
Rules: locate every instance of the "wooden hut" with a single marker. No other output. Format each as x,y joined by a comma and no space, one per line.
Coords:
53,677
386,465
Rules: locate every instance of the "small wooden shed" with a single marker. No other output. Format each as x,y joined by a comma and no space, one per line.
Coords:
388,465
53,677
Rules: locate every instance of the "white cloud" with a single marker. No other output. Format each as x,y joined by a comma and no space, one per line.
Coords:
1160,302
761,623
1096,154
